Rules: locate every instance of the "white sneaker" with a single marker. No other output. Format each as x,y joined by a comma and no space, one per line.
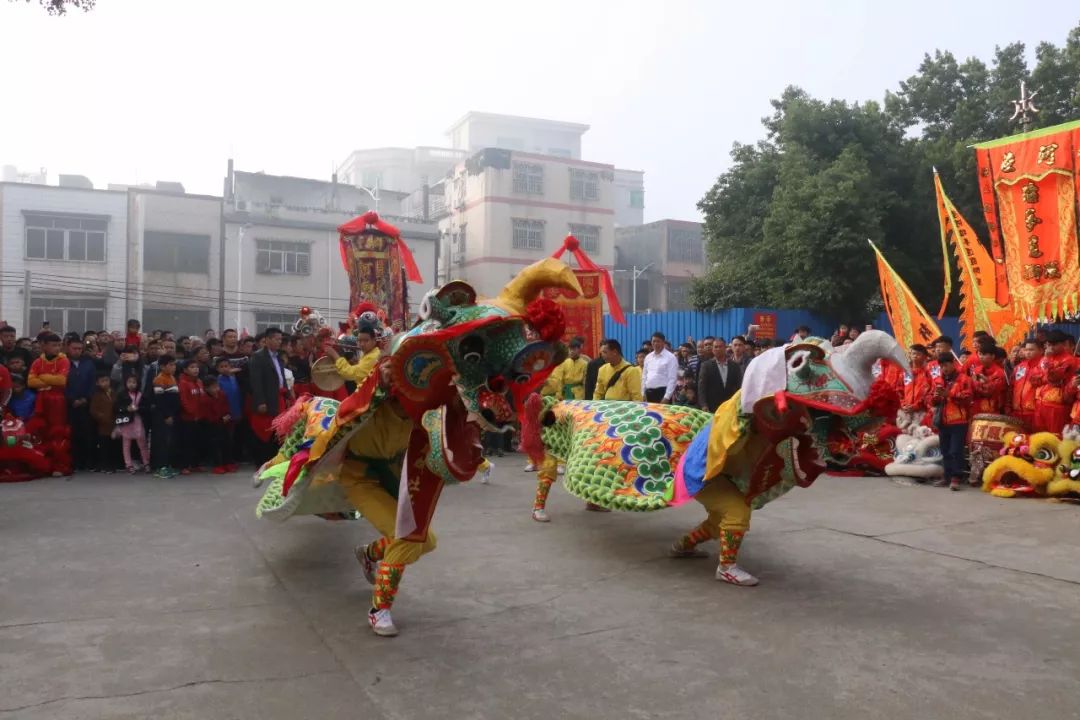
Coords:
381,623
735,575
561,470
531,467
540,515
680,552
485,476
369,565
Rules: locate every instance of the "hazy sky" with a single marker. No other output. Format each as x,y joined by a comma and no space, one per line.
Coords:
144,90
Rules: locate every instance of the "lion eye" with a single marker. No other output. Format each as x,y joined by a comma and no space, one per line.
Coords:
1044,455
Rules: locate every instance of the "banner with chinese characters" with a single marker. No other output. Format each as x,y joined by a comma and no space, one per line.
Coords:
1029,191
910,322
979,307
584,314
766,322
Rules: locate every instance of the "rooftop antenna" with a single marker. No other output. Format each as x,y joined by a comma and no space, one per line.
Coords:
1024,108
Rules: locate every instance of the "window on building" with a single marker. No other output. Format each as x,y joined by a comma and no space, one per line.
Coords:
65,237
528,234
685,246
266,320
281,257
67,314
587,235
637,198
584,185
678,295
529,178
176,252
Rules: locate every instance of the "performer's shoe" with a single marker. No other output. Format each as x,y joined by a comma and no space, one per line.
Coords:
381,623
676,551
561,470
540,515
941,482
735,575
593,507
485,475
369,565
531,467
954,484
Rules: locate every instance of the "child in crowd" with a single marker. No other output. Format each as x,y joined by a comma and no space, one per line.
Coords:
951,400
103,413
165,412
21,404
230,388
217,420
129,425
191,419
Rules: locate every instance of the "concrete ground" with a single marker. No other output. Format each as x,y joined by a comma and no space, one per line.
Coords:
130,597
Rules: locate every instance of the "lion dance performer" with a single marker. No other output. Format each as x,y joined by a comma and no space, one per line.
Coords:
413,424
768,438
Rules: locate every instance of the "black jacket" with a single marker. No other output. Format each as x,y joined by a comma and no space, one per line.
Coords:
591,372
265,385
712,391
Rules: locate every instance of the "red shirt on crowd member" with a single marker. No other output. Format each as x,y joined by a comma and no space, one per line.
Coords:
917,383
1023,389
942,344
893,375
990,383
191,395
215,408
955,395
1054,387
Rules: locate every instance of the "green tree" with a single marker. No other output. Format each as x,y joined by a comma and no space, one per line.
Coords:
786,225
60,7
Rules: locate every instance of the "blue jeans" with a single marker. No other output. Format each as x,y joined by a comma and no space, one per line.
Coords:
953,442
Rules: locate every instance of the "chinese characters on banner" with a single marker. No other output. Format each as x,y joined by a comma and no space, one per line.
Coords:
1028,185
375,276
766,322
584,315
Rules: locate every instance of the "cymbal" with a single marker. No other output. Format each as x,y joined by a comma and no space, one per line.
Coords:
325,375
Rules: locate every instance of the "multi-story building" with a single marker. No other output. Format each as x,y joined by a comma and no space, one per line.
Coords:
506,209
281,246
63,257
175,260
477,131
656,263
629,200
399,169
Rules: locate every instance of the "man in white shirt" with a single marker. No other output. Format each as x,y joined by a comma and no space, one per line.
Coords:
660,373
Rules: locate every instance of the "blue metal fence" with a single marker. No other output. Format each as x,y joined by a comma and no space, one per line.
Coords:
679,325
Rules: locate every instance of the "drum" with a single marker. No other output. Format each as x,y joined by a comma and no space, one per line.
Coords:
986,437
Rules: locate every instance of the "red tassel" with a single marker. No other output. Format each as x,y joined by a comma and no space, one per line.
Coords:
411,271
585,263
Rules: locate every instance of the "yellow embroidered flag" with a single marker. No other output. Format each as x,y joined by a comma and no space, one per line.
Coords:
910,321
979,309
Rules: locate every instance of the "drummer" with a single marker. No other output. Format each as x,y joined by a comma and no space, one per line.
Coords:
989,379
369,358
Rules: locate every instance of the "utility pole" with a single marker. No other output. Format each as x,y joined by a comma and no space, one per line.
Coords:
26,305
636,275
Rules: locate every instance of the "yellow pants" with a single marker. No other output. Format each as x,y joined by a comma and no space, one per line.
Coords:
728,520
380,509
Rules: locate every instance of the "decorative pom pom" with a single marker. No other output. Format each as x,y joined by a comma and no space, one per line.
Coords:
571,243
883,400
546,317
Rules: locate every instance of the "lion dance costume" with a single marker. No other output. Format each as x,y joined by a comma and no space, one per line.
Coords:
767,439
414,424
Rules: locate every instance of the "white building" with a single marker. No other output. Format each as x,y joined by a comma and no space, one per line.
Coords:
629,200
400,169
665,256
506,210
477,130
175,251
282,252
73,243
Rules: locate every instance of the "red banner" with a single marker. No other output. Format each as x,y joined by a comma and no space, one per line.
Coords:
1033,177
584,314
766,323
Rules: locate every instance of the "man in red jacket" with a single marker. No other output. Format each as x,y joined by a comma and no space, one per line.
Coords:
192,442
950,401
1053,383
48,376
916,391
1023,390
991,384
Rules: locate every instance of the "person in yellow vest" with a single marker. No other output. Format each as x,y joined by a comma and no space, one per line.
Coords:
568,380
618,379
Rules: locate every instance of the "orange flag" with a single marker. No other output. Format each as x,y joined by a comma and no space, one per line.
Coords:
979,308
910,321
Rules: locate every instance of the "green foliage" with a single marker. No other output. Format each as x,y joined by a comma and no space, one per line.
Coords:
786,226
60,7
